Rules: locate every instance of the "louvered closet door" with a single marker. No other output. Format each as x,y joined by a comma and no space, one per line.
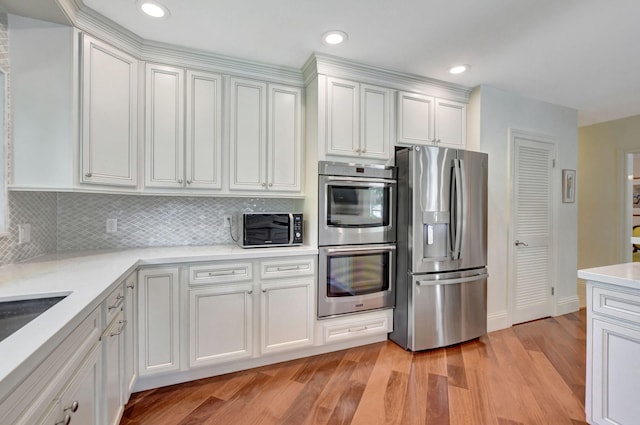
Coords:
533,227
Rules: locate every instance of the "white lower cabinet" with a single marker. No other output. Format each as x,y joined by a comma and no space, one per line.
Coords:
158,321
113,344
129,348
286,314
368,324
220,323
79,403
613,355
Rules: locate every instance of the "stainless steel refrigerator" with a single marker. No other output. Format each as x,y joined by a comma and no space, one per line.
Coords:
441,279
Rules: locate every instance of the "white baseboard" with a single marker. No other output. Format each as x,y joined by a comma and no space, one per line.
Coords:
498,320
567,305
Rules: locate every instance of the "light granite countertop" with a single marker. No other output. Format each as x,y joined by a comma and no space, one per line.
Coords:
86,278
626,275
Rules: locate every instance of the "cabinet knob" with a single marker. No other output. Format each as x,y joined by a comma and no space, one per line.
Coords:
130,285
363,150
189,182
73,407
180,181
87,174
358,150
270,184
65,421
263,184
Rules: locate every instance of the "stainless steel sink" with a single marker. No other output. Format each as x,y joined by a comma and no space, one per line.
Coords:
15,314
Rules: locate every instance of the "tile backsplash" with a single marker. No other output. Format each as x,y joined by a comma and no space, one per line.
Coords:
39,209
77,221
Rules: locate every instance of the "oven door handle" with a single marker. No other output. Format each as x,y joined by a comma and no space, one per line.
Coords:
364,180
370,249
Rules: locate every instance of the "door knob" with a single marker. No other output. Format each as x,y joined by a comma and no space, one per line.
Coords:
520,243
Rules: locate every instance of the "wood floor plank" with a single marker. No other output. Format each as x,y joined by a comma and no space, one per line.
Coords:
529,374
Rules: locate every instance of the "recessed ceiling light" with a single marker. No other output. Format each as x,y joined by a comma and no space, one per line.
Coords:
153,9
334,37
459,69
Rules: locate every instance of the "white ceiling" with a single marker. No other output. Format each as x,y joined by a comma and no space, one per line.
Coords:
584,54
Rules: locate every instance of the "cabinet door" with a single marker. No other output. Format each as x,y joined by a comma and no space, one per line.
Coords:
130,352
158,321
80,401
204,131
375,104
415,118
113,340
220,324
109,86
285,139
614,372
451,123
286,314
343,132
164,110
248,135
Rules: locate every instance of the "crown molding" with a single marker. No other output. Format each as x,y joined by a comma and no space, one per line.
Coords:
93,23
338,67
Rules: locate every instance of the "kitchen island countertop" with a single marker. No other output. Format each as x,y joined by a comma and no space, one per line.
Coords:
625,275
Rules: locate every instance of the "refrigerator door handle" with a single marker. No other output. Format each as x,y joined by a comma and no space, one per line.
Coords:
457,245
452,281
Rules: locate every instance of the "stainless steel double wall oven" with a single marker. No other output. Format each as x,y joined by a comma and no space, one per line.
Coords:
356,237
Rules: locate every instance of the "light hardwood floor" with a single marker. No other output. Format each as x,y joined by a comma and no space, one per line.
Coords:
533,373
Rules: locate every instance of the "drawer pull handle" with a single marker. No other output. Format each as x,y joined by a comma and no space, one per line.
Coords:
74,407
358,329
131,285
119,300
123,324
227,273
284,269
65,421
250,292
87,174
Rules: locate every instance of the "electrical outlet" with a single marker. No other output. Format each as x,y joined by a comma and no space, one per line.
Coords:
112,225
24,233
228,221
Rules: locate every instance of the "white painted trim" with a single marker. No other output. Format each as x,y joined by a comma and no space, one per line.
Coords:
342,68
567,305
498,320
582,293
625,165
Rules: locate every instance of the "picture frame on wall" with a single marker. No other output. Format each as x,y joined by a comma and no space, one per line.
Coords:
568,186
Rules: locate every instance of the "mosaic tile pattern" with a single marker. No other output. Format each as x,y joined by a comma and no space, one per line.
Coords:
144,221
38,209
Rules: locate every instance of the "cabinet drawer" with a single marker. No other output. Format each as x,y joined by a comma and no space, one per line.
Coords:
220,272
114,303
356,329
36,393
287,268
621,305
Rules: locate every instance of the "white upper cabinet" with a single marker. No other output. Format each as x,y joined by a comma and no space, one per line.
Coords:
284,143
415,118
204,130
451,123
427,120
109,87
265,137
164,127
183,128
358,119
248,136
